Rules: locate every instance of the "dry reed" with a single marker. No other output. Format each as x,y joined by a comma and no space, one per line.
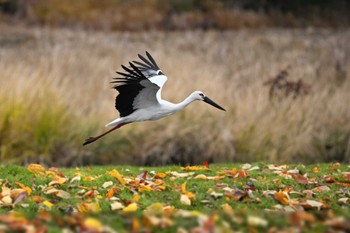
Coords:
50,70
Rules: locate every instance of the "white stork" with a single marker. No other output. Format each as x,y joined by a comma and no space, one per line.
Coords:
139,96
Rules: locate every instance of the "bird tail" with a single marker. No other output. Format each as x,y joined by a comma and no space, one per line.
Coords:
113,123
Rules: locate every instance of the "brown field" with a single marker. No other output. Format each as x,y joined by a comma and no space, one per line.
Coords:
55,92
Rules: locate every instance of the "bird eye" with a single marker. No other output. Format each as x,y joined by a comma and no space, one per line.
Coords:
201,94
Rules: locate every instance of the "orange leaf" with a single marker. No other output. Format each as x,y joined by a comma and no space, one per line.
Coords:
160,175
316,170
136,198
343,184
242,174
37,199
282,197
111,192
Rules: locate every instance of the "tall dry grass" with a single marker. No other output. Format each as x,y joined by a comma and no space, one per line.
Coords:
55,92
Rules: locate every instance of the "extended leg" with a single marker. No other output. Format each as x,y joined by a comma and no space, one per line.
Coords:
92,139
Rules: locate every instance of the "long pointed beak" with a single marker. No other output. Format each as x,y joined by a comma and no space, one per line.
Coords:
212,103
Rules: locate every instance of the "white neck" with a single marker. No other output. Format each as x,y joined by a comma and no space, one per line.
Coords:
184,103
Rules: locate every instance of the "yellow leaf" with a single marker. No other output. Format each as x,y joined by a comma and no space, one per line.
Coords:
92,224
130,208
48,204
145,188
58,180
183,187
227,209
37,169
85,207
154,209
114,173
188,194
195,168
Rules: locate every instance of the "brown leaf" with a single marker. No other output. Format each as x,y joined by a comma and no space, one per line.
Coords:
298,218
300,179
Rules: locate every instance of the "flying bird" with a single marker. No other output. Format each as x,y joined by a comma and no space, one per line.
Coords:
139,98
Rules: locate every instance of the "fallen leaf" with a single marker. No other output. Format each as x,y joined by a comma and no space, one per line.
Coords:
117,205
346,176
298,218
130,208
321,189
308,204
256,221
154,209
195,168
255,168
343,201
185,200
160,175
63,194
316,170
228,210
92,225
37,169
201,177
85,207
300,179
107,184
282,197
48,204
114,173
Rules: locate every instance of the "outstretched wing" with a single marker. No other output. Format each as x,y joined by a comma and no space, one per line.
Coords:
139,85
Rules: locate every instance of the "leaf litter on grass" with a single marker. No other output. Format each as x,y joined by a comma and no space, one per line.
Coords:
185,199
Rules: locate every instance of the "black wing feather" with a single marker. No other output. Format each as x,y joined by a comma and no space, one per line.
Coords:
129,86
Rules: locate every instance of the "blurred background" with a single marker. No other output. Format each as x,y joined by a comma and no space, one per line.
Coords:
279,67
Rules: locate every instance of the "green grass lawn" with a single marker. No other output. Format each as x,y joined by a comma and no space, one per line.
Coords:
251,197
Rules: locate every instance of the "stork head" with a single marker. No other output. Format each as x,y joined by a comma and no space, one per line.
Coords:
198,95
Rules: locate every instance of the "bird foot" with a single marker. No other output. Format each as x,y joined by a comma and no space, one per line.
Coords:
89,140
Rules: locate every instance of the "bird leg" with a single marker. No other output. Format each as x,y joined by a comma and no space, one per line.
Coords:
92,139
